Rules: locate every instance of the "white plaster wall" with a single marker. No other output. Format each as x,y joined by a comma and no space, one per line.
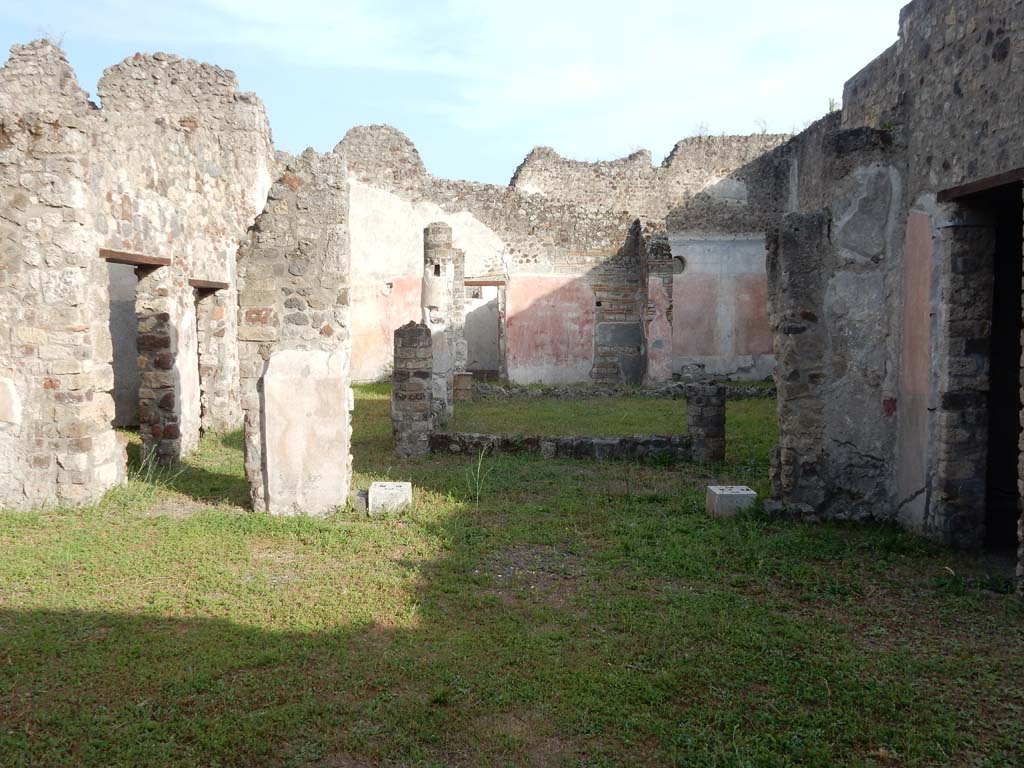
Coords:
386,235
187,366
482,330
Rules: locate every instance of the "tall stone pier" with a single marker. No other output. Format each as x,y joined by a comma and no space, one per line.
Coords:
442,302
412,418
705,421
294,343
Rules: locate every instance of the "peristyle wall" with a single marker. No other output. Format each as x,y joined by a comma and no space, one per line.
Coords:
559,236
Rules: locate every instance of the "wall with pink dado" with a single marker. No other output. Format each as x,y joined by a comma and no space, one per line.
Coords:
720,306
378,308
659,332
694,315
915,367
549,329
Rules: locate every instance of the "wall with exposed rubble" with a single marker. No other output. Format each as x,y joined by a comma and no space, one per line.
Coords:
881,276
293,297
173,166
558,237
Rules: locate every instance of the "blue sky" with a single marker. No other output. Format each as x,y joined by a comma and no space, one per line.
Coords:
477,83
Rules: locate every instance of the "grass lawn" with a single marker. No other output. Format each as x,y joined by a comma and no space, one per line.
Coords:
580,614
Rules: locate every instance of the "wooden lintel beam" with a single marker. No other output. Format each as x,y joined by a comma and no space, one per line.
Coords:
481,283
208,285
982,185
133,259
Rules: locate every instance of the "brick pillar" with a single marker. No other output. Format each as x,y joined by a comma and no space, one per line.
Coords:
159,405
705,420
1020,480
463,386
957,514
412,418
797,280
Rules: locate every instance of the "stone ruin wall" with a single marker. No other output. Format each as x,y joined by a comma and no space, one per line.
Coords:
832,281
699,164
173,165
293,283
186,162
558,254
880,292
56,443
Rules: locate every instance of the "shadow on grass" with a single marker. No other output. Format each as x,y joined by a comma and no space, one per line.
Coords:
199,483
557,621
532,648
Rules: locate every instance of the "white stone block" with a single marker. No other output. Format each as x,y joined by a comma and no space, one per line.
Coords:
724,501
305,432
389,497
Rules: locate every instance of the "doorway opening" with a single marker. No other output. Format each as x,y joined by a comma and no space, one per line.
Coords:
485,329
1004,399
124,332
216,357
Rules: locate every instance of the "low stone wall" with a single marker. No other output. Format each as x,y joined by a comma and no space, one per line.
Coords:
676,390
673,448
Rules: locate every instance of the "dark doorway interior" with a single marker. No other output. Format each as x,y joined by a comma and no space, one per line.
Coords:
124,329
1004,407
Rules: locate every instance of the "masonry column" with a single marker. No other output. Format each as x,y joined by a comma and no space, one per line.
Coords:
797,279
957,515
705,420
460,347
294,342
657,278
159,396
412,418
437,303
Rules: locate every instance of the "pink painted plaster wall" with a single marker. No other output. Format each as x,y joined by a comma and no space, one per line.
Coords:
376,313
550,329
753,331
659,333
915,368
695,314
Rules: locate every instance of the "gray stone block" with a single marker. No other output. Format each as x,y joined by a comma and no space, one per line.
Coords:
619,334
360,501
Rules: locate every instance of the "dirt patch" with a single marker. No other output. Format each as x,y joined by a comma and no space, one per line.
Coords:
551,573
530,732
280,565
183,507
